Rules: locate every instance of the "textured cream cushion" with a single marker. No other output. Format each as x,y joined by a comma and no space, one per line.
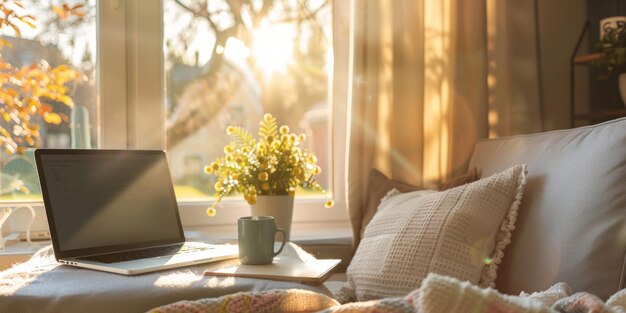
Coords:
460,232
378,185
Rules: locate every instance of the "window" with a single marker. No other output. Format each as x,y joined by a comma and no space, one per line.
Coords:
152,83
228,64
60,36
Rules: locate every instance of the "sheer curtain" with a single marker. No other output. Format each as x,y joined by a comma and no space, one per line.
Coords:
420,88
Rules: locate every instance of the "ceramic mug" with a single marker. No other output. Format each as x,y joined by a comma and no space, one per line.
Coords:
256,236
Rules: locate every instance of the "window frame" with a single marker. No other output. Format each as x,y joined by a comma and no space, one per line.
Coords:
130,75
141,126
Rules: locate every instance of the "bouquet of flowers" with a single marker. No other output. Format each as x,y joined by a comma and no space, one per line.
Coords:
274,164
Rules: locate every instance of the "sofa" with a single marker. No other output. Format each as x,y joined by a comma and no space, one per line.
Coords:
571,227
571,224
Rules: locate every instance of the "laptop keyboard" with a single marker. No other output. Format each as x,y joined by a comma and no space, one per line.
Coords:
146,253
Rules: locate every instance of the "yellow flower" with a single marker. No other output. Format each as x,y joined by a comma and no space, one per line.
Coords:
294,159
230,130
250,198
251,201
218,186
329,203
297,171
211,211
265,186
277,152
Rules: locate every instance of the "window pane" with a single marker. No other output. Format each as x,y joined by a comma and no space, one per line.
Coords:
229,63
48,98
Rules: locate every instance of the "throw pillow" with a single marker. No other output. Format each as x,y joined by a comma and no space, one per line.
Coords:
379,185
469,177
460,232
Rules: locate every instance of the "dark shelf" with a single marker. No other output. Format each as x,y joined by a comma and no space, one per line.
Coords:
587,58
605,104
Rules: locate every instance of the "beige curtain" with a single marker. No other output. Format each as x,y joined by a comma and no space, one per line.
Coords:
418,97
423,85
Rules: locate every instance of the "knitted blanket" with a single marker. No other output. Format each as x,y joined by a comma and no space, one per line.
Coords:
290,300
436,295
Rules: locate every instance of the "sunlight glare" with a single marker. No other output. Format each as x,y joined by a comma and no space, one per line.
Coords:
177,279
236,49
220,282
272,47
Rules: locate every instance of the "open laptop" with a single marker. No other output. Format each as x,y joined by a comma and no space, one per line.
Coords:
115,211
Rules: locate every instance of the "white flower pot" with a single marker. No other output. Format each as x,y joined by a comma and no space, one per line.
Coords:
613,22
280,207
622,87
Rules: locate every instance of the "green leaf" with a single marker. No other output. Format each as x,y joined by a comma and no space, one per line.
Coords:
269,128
242,136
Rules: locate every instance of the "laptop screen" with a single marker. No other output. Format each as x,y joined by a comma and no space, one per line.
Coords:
106,198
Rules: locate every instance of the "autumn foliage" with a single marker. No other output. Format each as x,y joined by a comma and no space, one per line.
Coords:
27,92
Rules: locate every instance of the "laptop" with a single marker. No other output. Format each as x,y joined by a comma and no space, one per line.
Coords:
115,211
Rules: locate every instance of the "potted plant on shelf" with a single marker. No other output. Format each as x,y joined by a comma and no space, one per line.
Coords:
612,47
266,171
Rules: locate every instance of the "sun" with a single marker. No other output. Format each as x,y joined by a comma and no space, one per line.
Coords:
273,47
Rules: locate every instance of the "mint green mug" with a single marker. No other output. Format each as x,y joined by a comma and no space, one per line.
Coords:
256,236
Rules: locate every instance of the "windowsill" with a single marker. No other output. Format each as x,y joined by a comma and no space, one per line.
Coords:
303,234
329,233
327,240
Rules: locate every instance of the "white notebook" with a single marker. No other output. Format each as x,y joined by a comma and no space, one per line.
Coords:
293,264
